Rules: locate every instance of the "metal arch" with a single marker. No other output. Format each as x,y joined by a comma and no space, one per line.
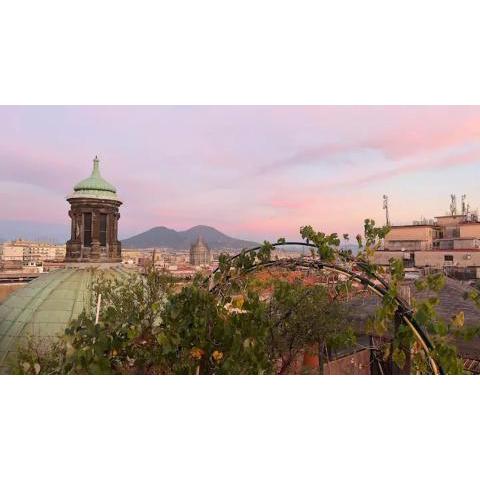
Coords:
381,290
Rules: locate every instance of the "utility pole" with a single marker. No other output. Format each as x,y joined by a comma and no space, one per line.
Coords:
385,207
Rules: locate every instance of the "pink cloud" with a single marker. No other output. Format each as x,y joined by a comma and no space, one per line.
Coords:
258,170
416,166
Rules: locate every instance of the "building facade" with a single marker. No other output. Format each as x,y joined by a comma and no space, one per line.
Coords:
94,215
20,253
11,256
450,241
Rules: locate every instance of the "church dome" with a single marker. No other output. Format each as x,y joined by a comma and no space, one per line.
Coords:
200,253
43,308
95,186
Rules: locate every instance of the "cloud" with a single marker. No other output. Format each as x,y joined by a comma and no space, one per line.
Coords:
438,162
399,134
253,169
44,169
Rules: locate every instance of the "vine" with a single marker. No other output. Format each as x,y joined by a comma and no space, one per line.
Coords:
222,324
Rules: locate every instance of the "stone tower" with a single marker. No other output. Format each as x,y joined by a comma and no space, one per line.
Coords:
94,213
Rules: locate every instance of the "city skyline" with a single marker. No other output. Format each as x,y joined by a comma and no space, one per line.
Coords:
251,172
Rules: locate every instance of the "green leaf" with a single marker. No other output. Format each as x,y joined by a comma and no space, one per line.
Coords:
458,320
162,338
399,357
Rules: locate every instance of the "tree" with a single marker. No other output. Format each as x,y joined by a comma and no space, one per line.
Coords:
301,316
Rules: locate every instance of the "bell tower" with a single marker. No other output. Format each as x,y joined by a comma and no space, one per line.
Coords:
94,214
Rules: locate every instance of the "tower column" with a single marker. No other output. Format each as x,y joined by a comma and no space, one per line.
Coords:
72,224
110,234
95,250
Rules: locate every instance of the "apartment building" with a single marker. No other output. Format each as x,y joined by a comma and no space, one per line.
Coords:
19,253
11,256
449,241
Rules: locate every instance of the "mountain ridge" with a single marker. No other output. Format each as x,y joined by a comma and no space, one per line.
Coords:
164,237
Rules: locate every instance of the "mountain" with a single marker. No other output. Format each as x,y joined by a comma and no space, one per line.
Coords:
169,238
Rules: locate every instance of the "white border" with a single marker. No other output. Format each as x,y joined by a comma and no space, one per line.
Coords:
238,427
249,52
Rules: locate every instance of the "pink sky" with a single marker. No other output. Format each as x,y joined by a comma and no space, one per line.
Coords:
252,172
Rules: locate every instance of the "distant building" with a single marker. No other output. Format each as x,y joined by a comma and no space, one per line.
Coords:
447,242
134,256
200,253
20,253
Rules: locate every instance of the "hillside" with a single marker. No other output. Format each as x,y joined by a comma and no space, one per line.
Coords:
182,240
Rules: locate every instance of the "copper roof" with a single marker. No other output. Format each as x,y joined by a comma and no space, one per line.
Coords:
44,307
95,186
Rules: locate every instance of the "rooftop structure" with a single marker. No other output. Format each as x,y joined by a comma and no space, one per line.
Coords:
95,186
44,307
447,241
94,217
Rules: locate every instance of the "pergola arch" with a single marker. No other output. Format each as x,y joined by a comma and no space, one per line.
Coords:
370,280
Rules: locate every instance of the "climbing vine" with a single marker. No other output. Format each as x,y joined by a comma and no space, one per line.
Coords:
224,324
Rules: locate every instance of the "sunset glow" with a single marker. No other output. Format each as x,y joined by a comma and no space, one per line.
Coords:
252,172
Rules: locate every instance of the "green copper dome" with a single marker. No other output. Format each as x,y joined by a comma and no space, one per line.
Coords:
43,308
94,186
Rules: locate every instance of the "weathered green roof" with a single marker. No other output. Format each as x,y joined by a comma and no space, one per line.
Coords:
94,186
44,307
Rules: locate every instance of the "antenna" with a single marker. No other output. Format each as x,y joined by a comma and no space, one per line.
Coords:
475,215
385,207
453,204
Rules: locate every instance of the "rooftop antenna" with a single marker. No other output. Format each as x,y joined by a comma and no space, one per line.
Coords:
453,204
385,207
475,215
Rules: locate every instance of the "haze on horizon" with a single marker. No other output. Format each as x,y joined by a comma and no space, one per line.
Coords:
253,172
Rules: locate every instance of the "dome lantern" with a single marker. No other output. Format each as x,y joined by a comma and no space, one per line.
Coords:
95,186
94,217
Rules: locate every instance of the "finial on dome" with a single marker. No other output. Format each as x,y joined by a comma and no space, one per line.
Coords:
96,163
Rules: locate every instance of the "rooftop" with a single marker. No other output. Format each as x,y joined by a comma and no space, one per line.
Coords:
451,302
44,307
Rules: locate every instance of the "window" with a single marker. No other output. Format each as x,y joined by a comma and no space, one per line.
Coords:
103,229
87,229
448,258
